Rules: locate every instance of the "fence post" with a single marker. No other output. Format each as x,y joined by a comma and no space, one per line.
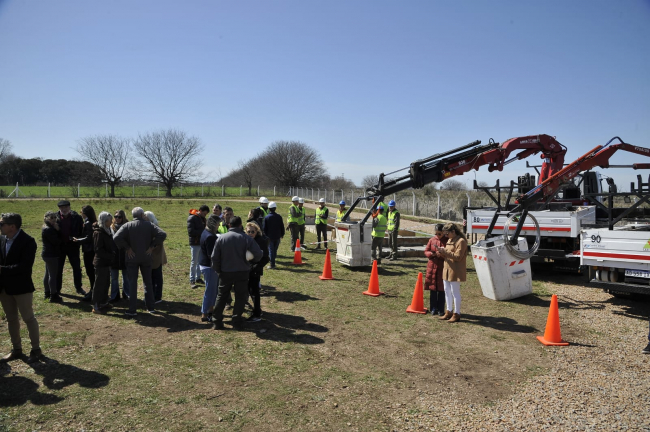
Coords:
201,190
438,212
158,190
413,202
133,189
312,194
240,189
78,190
273,190
181,189
222,186
106,190
48,191
258,190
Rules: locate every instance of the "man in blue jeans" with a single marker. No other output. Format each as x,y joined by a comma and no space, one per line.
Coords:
195,227
274,230
138,238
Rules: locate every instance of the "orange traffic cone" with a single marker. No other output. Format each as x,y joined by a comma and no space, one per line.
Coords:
417,304
327,268
552,336
297,256
373,286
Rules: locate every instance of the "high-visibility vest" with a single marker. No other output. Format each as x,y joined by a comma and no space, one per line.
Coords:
300,219
391,219
266,212
223,228
320,215
340,214
380,229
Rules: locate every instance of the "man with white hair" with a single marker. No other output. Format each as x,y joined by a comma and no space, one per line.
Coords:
139,237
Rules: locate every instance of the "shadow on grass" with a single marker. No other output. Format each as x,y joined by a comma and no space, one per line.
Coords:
284,328
290,296
563,302
497,323
634,307
16,390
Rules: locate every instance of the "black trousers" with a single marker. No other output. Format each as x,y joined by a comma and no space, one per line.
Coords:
70,251
436,301
238,282
254,291
321,229
90,268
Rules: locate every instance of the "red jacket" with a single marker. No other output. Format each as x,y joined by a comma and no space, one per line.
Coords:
433,279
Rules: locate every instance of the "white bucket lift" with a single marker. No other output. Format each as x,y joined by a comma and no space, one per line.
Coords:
502,275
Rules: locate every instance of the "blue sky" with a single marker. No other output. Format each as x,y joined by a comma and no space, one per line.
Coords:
373,85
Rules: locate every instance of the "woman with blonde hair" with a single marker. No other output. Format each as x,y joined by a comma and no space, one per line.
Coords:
455,269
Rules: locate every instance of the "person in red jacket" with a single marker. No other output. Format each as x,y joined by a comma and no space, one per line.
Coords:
433,280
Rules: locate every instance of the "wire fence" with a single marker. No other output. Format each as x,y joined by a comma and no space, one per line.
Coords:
444,205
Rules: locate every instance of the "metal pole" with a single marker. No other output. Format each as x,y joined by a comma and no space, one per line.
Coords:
438,212
240,188
413,203
106,190
49,195
158,190
312,194
222,186
181,189
319,195
273,190
133,189
201,190
468,199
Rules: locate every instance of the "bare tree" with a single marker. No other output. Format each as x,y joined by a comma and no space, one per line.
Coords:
5,148
244,172
110,153
340,182
369,181
453,185
169,156
292,163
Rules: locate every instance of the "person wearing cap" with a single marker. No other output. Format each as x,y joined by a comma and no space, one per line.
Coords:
18,252
70,226
341,212
195,227
295,215
379,223
322,213
264,206
274,230
393,229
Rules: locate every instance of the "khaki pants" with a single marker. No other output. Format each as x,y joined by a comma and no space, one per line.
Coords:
12,304
392,243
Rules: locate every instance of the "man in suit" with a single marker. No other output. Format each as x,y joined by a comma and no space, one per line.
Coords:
70,226
17,254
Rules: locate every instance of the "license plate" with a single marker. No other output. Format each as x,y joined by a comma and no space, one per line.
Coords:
638,273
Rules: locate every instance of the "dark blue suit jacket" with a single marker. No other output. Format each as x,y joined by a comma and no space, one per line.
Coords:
16,267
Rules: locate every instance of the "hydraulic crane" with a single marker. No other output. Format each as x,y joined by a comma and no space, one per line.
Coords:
445,165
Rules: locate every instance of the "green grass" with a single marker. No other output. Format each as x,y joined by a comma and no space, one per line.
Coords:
322,343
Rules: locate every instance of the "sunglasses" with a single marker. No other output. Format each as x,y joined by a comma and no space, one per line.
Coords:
251,232
117,217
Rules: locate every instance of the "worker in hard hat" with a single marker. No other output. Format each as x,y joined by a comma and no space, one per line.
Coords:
341,212
301,222
393,229
379,223
264,206
295,215
322,213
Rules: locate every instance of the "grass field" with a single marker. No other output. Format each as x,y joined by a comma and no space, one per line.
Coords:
325,357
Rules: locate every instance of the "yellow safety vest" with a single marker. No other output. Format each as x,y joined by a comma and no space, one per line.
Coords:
265,212
223,228
391,219
340,214
301,217
320,215
380,229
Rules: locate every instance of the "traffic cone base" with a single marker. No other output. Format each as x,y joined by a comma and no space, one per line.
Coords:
297,256
327,267
417,303
373,286
552,335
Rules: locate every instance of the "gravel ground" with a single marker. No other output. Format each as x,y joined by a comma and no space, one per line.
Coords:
599,382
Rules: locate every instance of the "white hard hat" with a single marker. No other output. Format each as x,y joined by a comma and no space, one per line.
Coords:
264,200
272,204
321,200
295,198
301,201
